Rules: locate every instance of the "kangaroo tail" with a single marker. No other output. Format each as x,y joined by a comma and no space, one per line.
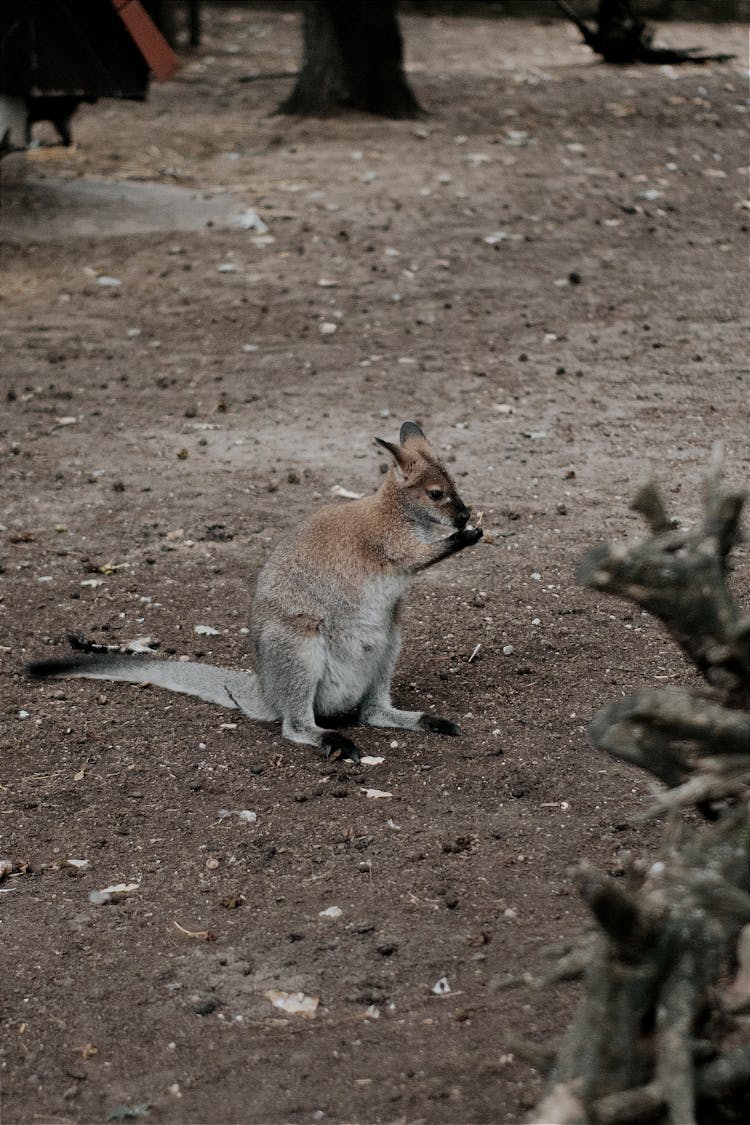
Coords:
225,686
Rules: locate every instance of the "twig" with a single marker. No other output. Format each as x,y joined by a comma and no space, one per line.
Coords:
201,935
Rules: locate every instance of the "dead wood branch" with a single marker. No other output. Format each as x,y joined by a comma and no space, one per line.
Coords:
685,740
718,1078
680,577
646,1042
651,974
542,1058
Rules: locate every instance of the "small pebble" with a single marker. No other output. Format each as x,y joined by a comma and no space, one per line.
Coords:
204,1005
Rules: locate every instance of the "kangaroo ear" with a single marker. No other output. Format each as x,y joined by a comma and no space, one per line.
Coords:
410,431
400,460
394,450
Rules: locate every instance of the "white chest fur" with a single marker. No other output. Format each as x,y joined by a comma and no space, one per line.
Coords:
362,641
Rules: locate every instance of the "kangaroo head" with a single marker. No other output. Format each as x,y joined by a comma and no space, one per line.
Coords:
425,487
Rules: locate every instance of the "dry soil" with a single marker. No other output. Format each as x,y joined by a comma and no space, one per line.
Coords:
547,272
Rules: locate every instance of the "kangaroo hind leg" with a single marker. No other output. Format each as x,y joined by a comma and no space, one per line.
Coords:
378,709
292,668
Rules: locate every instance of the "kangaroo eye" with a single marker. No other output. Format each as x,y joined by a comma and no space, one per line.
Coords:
435,494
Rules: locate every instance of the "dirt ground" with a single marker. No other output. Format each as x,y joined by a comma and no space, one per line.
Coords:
546,272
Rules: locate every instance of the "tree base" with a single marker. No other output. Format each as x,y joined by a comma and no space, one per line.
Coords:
353,59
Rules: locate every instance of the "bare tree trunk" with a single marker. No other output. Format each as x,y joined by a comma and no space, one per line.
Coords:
353,58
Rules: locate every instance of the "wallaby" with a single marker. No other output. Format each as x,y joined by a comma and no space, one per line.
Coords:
325,617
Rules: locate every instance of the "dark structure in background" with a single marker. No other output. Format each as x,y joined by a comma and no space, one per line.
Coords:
74,49
353,52
711,11
353,58
172,16
621,36
53,56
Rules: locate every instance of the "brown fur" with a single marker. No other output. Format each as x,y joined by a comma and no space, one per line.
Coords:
375,534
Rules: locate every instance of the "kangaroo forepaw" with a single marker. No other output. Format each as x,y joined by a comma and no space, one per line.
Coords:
439,726
470,535
460,540
338,746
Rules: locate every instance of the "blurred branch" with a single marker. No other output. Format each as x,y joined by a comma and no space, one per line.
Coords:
665,940
680,577
620,36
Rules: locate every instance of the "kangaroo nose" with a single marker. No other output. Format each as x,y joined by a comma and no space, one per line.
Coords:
462,517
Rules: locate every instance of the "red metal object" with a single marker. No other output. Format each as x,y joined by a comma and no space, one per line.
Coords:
149,40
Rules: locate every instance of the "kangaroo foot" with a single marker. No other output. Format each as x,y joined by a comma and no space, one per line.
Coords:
338,746
439,726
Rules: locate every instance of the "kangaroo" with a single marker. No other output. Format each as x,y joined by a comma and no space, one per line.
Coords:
325,616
